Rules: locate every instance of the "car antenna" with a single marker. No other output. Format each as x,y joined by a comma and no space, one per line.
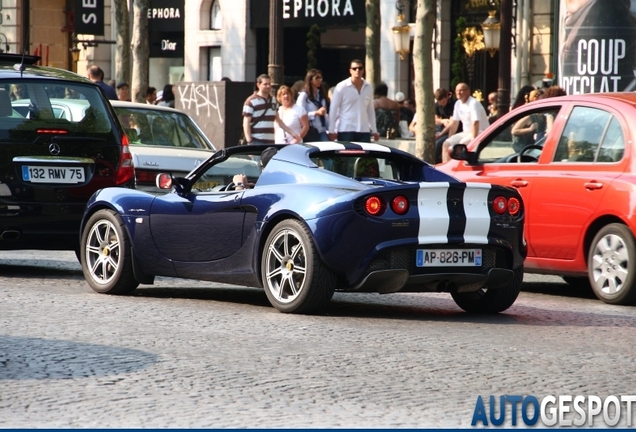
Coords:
20,67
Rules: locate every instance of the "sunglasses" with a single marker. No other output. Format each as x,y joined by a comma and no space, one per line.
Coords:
317,77
357,68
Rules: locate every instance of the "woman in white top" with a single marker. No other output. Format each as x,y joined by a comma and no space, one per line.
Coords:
294,116
314,100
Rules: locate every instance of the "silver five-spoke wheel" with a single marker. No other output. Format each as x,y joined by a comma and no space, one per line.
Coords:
294,277
106,254
610,260
103,252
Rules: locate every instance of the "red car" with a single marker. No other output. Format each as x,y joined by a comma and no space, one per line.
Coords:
572,158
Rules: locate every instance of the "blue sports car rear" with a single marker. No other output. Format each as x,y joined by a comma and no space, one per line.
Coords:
320,218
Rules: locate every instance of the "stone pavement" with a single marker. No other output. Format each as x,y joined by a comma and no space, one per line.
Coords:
186,354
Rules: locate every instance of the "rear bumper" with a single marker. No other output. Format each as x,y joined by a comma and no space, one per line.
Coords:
399,280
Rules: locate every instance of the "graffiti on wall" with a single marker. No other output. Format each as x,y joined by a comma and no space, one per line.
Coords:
202,99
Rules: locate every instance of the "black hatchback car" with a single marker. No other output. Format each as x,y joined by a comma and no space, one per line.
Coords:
50,165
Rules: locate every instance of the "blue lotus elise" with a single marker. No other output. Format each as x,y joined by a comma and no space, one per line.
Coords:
315,219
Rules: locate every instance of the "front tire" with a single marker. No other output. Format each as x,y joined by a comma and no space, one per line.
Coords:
490,301
610,265
105,254
294,277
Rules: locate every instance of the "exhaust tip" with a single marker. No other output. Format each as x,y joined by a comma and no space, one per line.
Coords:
10,234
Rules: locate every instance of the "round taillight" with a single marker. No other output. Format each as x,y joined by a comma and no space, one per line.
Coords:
499,205
373,205
400,205
514,206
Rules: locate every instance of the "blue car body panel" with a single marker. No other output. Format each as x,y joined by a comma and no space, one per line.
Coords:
219,235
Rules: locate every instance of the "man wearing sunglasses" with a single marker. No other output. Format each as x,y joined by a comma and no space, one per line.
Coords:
351,114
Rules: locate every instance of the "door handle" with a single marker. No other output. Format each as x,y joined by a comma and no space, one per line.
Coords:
593,185
519,183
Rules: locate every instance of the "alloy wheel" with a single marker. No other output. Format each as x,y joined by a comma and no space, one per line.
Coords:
103,251
286,266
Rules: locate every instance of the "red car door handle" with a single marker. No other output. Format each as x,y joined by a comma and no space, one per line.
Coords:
593,185
519,183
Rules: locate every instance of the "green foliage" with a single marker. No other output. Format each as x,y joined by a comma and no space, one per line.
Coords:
459,55
313,42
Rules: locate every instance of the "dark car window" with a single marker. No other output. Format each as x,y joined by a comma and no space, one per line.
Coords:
512,137
583,134
28,106
163,128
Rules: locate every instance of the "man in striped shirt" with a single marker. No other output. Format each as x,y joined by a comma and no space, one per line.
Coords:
260,113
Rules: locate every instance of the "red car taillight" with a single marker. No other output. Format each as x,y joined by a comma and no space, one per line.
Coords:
145,177
514,206
374,206
126,169
400,205
500,205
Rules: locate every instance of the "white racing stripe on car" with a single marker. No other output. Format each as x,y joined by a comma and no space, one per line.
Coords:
373,147
433,210
327,146
477,214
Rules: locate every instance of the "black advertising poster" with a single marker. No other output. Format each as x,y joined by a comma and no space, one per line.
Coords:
166,28
166,15
597,46
89,17
305,13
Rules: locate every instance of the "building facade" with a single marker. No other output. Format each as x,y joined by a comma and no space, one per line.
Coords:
206,40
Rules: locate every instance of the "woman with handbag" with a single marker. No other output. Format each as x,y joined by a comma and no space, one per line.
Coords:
314,101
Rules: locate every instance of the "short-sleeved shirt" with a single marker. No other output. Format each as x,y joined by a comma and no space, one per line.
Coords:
263,114
291,117
470,112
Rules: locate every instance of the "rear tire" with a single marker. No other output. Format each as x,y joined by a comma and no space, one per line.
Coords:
610,265
294,277
490,301
105,254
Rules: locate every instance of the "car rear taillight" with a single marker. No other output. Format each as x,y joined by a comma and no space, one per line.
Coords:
400,205
500,205
514,206
145,177
126,169
374,205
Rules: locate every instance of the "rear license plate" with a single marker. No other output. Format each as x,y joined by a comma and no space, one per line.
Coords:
448,257
52,174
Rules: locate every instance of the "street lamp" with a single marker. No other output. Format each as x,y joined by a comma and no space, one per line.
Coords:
492,33
401,33
75,52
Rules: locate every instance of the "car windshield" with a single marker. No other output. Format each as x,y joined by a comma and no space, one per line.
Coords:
161,128
31,107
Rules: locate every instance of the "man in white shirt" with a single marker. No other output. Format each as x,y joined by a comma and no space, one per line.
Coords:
351,114
471,113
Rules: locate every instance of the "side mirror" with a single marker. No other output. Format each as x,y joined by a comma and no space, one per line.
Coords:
164,181
460,152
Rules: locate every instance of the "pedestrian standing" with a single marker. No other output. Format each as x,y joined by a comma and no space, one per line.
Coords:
314,100
96,74
151,95
167,96
260,113
123,91
351,114
292,115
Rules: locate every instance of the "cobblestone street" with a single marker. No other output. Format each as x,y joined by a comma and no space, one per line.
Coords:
182,354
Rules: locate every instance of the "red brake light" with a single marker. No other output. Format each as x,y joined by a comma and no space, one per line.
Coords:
52,131
500,205
514,206
374,205
400,205
126,169
145,177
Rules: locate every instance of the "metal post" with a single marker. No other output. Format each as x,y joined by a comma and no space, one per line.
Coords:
275,66
505,53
